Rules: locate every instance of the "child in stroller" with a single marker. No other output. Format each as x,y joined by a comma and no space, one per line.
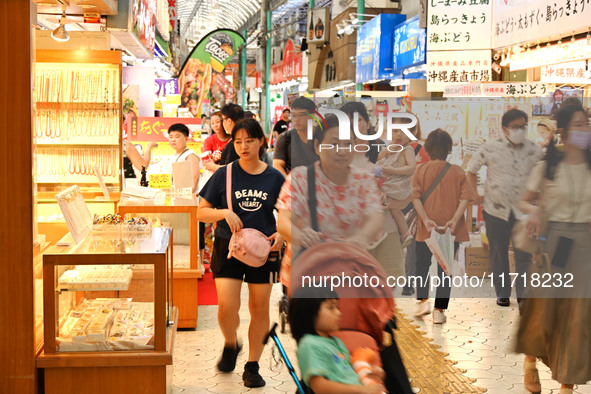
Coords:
368,311
324,360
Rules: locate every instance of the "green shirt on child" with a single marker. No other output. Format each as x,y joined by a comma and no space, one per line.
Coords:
326,357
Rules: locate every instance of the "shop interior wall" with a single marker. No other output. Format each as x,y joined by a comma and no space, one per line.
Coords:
17,354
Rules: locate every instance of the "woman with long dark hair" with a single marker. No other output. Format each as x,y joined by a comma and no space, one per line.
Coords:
555,319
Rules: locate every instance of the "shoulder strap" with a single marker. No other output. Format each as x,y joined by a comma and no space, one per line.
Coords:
229,186
312,196
288,147
418,148
436,182
182,153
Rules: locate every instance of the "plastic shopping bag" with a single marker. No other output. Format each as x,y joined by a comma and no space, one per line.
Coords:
442,247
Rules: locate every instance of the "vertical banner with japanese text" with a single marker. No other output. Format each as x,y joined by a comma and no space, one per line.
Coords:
459,25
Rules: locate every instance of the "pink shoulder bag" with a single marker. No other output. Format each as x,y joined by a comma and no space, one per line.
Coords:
248,245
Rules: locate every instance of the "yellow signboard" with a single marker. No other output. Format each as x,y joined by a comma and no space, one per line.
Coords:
160,181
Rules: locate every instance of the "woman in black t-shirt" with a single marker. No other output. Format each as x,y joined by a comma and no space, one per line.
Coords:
255,189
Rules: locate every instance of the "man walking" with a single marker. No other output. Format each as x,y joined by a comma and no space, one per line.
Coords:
292,148
509,161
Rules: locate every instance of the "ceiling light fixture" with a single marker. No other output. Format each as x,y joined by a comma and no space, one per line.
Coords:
61,34
355,17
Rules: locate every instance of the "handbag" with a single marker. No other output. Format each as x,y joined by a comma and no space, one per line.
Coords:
411,215
521,240
248,245
520,237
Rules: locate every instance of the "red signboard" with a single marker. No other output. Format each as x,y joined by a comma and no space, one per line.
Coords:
155,129
290,67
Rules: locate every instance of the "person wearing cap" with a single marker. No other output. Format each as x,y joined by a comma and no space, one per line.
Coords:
546,130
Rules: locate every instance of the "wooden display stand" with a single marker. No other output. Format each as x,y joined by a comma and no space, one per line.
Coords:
185,280
117,371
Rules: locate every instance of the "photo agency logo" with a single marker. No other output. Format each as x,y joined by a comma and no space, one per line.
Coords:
402,121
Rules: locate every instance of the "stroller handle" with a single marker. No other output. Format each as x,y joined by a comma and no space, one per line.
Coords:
271,333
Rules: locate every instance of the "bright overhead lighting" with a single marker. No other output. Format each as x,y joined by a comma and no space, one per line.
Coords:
61,34
349,30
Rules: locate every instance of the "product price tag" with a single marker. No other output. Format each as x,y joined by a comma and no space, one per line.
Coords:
160,181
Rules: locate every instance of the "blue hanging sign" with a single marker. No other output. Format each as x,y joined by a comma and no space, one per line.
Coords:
409,45
374,47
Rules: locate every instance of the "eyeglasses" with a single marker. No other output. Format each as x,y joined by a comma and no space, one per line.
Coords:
518,127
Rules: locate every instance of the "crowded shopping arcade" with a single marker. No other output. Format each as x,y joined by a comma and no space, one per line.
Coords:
295,196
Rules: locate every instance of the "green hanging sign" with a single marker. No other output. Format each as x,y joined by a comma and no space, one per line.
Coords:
209,58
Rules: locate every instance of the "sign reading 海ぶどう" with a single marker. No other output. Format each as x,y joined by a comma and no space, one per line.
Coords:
459,24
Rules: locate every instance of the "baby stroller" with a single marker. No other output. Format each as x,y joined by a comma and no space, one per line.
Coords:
367,311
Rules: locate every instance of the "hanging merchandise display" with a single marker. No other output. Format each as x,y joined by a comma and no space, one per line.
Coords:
208,59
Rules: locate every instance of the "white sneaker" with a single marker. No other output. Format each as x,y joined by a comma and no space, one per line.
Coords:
422,308
439,316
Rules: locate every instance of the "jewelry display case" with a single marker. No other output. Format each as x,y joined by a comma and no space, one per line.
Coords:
78,118
77,131
108,314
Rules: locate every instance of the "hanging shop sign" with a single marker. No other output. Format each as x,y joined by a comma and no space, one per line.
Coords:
162,19
374,48
453,67
209,58
156,129
459,24
526,21
144,22
498,89
318,25
571,73
290,67
166,87
409,45
551,54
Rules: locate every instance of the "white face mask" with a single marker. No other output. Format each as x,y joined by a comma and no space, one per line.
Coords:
517,136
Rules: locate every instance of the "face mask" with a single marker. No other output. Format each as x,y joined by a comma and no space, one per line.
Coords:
580,139
516,136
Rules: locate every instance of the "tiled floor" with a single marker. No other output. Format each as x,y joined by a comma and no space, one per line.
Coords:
478,335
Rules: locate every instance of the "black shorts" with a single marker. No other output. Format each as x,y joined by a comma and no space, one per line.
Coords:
222,267
201,235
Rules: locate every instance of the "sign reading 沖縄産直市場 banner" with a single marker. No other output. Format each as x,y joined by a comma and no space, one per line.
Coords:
453,67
